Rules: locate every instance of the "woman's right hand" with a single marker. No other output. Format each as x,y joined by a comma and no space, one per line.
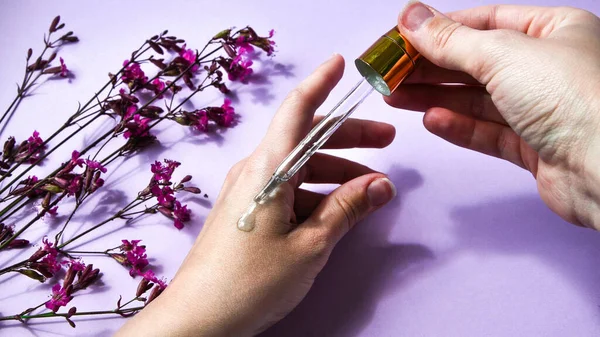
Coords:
531,93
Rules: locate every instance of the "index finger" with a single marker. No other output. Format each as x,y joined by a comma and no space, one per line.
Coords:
531,20
294,118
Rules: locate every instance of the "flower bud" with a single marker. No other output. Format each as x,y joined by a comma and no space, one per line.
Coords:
154,294
142,287
194,190
46,201
52,57
37,255
121,258
18,243
229,50
54,24
69,277
165,211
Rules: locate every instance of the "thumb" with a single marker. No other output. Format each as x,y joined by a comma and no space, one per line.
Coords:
448,43
348,204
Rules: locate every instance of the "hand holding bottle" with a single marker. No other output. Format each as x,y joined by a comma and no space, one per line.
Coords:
530,93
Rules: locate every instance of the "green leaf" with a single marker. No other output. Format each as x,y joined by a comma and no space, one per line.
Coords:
32,274
222,34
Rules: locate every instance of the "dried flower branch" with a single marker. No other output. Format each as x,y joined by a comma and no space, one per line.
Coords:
42,66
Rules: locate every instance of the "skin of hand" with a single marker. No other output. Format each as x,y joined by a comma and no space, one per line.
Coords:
236,283
524,86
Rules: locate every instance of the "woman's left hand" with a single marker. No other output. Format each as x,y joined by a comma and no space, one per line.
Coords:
236,283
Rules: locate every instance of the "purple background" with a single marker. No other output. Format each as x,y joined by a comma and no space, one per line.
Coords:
467,248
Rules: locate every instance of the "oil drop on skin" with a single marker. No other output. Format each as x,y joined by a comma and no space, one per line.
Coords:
247,221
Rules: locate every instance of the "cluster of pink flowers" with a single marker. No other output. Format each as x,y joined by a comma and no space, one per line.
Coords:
151,277
31,150
49,265
61,295
75,184
160,188
240,67
60,298
135,256
223,116
190,57
133,75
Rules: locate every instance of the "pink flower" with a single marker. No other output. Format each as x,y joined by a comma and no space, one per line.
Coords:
133,73
181,214
271,47
201,121
35,147
131,110
240,68
53,211
189,56
60,298
75,160
164,172
63,68
129,245
163,195
49,246
136,256
137,128
74,185
244,49
77,265
151,277
158,86
94,165
48,265
228,114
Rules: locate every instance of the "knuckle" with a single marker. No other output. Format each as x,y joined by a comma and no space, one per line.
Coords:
491,52
317,243
302,97
351,211
444,36
236,169
578,13
295,97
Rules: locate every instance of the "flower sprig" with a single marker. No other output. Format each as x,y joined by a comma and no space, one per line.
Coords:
42,66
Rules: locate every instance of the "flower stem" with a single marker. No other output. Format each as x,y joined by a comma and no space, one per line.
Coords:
83,313
12,267
129,206
32,221
71,252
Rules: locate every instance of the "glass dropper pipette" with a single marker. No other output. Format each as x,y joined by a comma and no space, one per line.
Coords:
383,67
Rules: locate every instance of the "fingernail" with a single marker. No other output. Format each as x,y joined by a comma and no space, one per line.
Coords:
415,14
381,191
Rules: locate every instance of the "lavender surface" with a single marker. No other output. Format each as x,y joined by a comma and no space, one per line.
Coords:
467,248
